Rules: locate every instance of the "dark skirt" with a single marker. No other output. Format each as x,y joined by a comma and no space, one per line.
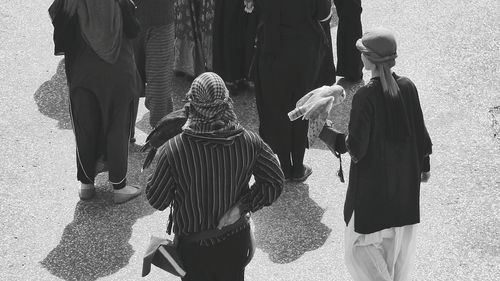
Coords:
234,40
349,30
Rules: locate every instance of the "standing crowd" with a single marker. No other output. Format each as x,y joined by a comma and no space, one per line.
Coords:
117,51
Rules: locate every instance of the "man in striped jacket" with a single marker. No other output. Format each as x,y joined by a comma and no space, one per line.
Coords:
204,174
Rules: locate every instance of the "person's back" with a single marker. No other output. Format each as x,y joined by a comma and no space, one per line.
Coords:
95,38
387,171
212,174
203,173
389,147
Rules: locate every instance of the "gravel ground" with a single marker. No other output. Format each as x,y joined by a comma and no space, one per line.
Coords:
448,48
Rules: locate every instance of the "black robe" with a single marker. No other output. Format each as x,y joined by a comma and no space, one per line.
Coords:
384,179
102,79
233,39
349,30
291,44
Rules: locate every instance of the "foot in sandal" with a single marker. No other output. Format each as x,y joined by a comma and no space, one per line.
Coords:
125,194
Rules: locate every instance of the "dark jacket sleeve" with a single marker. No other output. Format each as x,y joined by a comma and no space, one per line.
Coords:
423,139
359,128
131,25
268,181
64,27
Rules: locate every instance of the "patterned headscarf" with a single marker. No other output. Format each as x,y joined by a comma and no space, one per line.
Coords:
210,107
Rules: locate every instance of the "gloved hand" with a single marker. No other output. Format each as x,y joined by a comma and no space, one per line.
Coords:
318,103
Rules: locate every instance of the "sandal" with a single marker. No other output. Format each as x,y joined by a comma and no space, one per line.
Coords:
125,194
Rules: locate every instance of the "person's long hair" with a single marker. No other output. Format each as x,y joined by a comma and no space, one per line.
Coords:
397,118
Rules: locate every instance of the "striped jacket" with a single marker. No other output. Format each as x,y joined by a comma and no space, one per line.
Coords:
203,176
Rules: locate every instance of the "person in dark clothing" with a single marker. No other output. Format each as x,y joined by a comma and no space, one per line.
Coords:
290,48
349,30
203,174
95,38
327,73
389,147
235,27
154,54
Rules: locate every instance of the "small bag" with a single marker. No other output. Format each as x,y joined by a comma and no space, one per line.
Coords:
163,254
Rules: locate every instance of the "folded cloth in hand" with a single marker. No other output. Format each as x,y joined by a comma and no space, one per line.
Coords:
163,254
315,106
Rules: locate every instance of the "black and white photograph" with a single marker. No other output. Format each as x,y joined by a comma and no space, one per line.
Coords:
257,140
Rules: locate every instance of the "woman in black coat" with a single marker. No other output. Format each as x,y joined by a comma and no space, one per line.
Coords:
290,47
389,147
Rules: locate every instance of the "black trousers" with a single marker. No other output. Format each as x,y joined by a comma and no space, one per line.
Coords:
224,261
349,30
94,139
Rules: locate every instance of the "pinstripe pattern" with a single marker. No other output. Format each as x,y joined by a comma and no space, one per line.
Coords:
159,71
204,176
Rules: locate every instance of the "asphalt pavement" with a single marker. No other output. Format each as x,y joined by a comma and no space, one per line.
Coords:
450,49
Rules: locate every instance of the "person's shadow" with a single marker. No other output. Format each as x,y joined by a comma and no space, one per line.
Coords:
95,244
52,98
291,226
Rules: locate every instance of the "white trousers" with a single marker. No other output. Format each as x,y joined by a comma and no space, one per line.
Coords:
385,255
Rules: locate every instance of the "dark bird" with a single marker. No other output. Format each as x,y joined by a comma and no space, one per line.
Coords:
168,127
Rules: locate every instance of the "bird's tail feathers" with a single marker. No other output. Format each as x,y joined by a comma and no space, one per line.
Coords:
149,158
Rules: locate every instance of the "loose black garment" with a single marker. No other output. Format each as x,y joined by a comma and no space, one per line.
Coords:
327,73
291,44
233,39
349,64
102,79
384,179
224,261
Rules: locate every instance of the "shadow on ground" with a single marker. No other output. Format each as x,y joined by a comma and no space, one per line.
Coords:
291,226
52,98
95,244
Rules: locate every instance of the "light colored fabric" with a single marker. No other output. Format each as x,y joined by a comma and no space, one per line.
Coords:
315,106
385,255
